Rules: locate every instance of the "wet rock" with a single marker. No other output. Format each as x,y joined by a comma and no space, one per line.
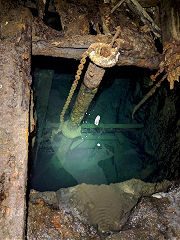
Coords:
156,217
163,112
107,206
148,216
47,197
95,211
172,212
44,222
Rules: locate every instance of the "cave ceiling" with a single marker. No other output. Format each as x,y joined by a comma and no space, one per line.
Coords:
149,30
149,33
85,22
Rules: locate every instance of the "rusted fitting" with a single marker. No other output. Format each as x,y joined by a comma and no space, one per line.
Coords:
70,130
104,55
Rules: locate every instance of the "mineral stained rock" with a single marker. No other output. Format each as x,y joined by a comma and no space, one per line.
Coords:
156,217
76,211
46,221
107,206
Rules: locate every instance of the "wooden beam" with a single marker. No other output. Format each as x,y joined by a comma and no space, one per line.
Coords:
104,126
111,126
136,48
15,80
149,3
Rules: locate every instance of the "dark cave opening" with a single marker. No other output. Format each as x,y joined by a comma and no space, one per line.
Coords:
100,155
52,19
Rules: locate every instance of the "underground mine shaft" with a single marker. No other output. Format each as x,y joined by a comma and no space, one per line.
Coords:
101,168
109,152
89,119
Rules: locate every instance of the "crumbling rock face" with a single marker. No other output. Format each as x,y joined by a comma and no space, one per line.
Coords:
147,216
106,206
155,217
65,213
47,221
162,130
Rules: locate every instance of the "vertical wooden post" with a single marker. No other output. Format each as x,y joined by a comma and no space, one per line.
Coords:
15,80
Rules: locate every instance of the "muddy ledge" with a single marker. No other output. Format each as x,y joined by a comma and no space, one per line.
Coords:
129,210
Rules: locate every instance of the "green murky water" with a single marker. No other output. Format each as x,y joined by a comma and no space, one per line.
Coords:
101,155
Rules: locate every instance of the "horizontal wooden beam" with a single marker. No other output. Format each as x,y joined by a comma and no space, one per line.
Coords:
105,126
112,126
136,48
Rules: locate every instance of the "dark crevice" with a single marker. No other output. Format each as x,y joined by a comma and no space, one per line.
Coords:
34,12
95,28
52,19
29,163
158,45
100,28
92,28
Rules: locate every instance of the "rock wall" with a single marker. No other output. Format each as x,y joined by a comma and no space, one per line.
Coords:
162,130
90,211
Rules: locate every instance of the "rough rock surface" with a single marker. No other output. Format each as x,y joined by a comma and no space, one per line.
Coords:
156,217
107,206
46,221
163,112
78,210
